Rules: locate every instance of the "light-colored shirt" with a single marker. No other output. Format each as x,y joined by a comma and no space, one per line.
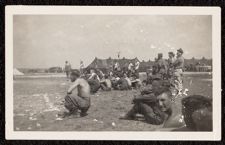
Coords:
137,64
130,66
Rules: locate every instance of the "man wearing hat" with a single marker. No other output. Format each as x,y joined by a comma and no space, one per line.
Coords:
178,71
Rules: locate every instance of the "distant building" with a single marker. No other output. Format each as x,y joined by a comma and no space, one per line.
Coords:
55,70
107,64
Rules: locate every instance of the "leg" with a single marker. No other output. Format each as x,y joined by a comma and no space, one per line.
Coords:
131,114
103,86
178,82
67,74
70,106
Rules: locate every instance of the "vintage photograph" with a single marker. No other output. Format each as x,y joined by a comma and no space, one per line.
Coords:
113,73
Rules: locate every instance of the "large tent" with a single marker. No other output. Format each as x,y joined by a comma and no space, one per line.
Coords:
16,72
105,64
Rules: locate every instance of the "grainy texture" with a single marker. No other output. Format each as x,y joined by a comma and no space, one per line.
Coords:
220,3
37,101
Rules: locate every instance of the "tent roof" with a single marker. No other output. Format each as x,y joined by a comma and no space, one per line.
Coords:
17,72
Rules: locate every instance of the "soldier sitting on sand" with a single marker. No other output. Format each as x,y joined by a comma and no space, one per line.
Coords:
81,100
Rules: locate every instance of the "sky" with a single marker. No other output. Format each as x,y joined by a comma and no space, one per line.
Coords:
43,41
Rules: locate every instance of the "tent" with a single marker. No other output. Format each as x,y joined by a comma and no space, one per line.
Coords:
105,64
16,72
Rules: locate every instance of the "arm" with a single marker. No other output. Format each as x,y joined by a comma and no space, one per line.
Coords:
177,62
147,98
92,75
73,86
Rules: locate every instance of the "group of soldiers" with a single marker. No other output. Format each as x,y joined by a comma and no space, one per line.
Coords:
155,102
170,70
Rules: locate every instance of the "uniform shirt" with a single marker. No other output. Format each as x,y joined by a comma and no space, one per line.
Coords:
171,61
179,63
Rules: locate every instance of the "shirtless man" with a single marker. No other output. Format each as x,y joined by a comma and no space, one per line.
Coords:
79,101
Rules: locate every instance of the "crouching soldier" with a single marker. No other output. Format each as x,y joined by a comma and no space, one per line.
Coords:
80,101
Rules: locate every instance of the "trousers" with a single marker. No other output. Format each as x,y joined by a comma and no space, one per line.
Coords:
74,103
178,79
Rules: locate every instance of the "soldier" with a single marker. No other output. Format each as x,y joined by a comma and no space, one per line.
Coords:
122,84
171,60
94,82
130,69
146,104
162,66
79,101
67,69
136,68
106,84
81,67
156,106
178,71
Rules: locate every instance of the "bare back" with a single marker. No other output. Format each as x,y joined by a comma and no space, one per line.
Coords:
83,88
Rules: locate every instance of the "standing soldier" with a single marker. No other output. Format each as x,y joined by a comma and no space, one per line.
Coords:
162,66
137,65
178,71
171,60
67,69
81,67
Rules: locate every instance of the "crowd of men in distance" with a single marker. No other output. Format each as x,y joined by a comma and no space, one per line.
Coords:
155,102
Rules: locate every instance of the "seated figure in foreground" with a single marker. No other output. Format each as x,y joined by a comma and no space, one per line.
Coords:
79,101
156,106
197,111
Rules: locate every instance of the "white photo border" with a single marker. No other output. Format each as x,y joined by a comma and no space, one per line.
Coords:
10,11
